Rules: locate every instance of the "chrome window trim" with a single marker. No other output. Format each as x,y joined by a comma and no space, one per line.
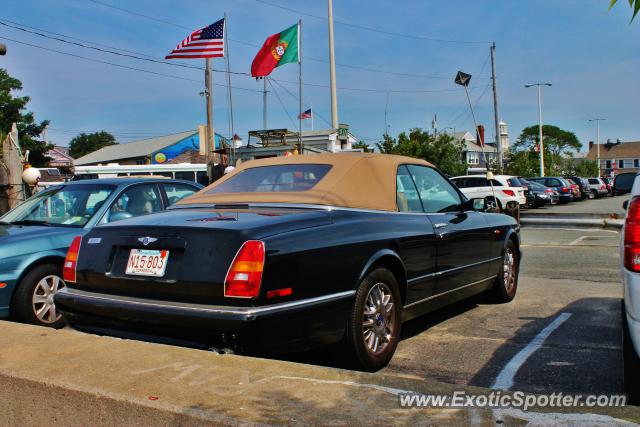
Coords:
248,311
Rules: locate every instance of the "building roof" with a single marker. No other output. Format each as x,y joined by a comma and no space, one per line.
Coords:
470,142
624,150
348,183
133,149
59,156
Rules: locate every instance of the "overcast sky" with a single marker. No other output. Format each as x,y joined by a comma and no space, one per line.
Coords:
591,56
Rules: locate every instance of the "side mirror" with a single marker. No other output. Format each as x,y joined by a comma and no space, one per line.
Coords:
479,204
625,205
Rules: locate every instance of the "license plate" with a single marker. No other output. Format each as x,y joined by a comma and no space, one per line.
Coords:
147,262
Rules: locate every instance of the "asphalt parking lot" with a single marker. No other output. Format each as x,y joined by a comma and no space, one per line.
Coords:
568,276
569,290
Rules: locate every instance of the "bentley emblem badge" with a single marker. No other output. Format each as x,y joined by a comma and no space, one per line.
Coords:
146,240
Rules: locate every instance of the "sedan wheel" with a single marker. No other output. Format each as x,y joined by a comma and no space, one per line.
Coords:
43,306
378,318
373,327
506,284
33,299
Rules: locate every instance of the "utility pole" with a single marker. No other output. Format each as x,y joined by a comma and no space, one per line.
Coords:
496,115
598,142
264,103
332,68
3,49
210,133
541,144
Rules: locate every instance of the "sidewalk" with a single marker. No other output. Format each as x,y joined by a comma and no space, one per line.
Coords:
68,378
606,212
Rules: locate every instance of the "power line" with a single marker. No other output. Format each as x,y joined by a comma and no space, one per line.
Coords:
148,57
141,15
281,103
375,30
304,103
408,91
120,65
311,58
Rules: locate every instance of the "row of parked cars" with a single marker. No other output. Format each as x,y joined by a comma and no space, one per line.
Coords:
504,191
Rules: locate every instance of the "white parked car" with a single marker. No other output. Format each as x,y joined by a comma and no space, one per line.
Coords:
598,187
630,271
507,189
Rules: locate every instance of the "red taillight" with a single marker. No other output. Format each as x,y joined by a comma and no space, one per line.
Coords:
565,190
603,187
632,236
71,261
509,192
245,274
548,190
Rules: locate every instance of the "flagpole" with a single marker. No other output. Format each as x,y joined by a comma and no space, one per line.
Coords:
300,86
210,132
227,60
311,105
264,103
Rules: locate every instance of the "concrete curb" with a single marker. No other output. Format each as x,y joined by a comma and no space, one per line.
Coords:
69,378
608,223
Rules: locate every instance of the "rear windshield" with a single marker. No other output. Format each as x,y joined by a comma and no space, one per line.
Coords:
268,179
514,182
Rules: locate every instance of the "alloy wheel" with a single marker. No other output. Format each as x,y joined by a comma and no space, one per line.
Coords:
378,318
42,300
509,270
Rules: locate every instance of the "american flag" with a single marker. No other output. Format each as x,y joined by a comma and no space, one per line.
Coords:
207,42
305,114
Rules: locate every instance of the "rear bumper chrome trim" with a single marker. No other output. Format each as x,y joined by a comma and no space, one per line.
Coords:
211,309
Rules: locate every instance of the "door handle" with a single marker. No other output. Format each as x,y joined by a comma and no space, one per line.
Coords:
440,225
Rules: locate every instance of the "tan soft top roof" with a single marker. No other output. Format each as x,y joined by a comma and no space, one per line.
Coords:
355,180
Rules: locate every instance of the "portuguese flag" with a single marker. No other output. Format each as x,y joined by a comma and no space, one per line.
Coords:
278,49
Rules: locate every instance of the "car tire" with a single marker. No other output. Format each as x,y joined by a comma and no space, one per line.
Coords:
631,364
506,284
362,342
33,298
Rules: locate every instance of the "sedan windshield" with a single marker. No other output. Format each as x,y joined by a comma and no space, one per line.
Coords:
68,206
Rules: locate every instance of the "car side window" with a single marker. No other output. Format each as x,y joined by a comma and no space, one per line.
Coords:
437,194
177,192
406,194
554,182
136,201
496,183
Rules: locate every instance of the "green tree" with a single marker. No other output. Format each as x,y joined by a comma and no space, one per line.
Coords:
443,151
586,168
362,145
635,5
523,163
13,110
84,143
558,145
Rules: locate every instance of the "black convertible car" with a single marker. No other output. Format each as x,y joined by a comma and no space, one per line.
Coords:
288,253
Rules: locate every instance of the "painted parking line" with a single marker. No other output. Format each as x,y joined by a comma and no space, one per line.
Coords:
578,240
504,380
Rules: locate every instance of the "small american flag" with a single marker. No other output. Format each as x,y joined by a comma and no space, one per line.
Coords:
207,42
305,114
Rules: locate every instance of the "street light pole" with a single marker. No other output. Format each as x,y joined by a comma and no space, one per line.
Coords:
597,142
540,144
